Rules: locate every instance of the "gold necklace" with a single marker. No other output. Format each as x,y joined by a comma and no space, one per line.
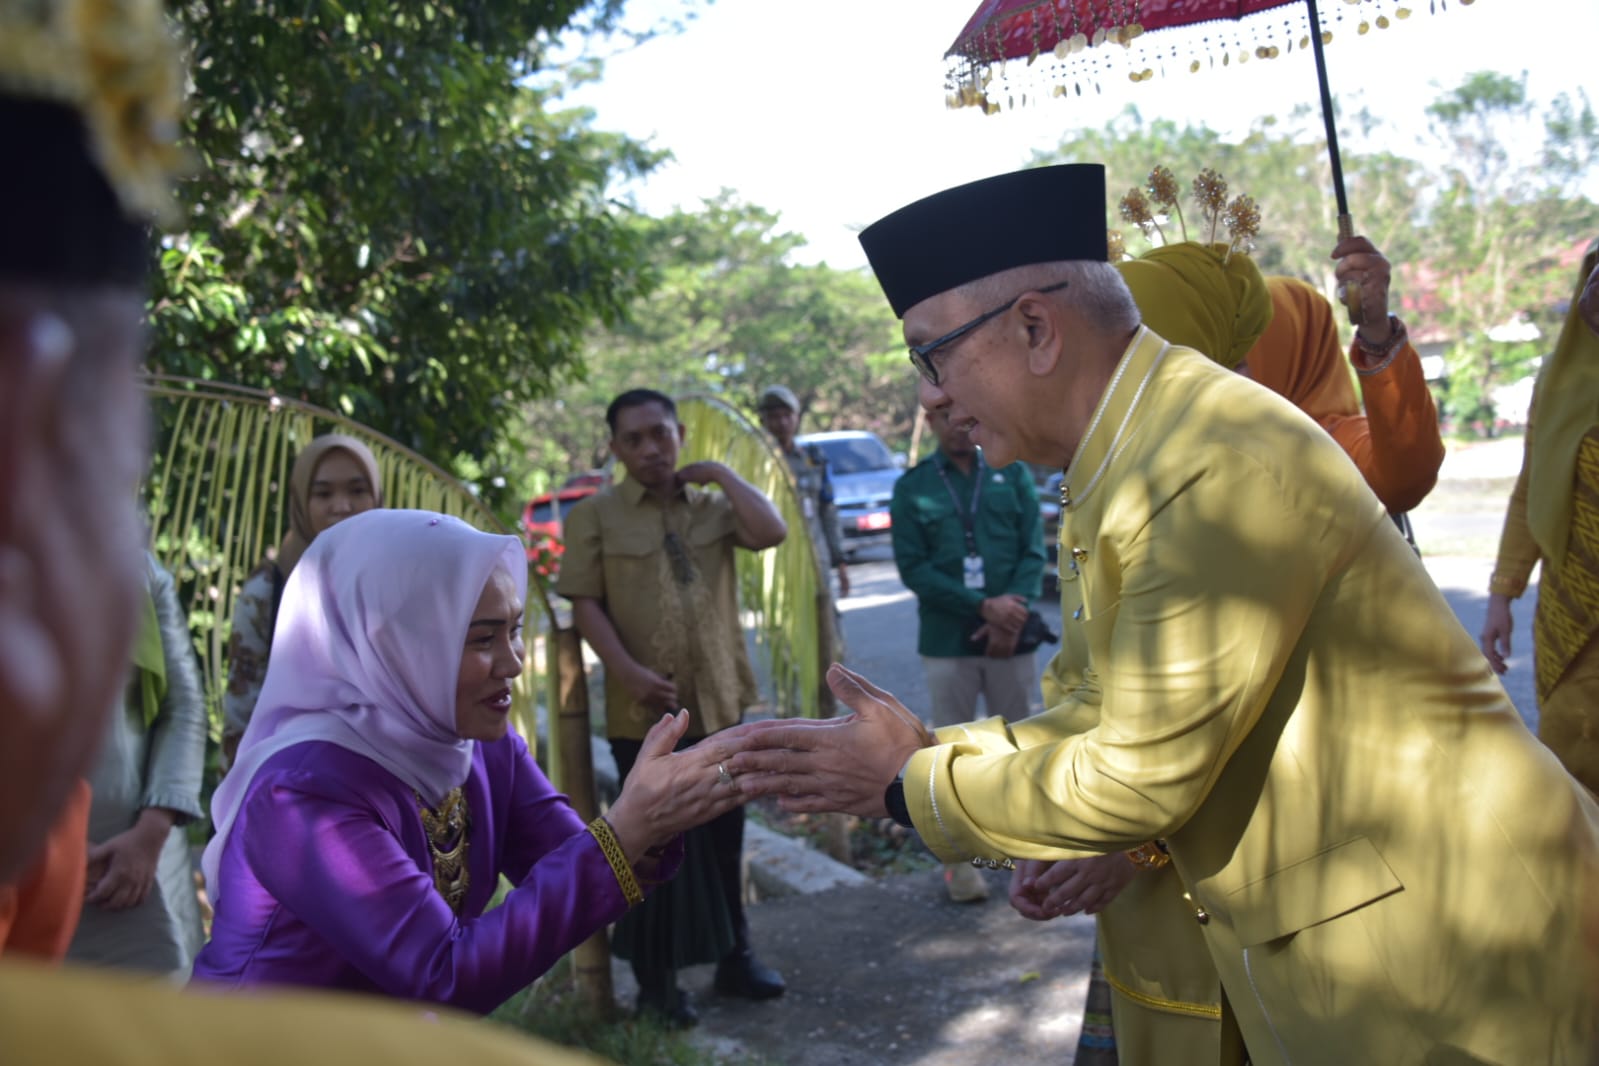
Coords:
447,827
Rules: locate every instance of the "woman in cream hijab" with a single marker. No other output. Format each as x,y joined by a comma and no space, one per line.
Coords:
334,477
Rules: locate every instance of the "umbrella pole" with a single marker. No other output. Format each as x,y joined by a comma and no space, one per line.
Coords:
1346,225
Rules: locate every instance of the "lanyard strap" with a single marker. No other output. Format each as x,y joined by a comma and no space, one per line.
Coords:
968,521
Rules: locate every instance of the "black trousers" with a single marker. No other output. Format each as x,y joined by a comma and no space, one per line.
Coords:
723,839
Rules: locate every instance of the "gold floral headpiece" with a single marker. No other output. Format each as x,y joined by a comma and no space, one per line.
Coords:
119,66
1158,201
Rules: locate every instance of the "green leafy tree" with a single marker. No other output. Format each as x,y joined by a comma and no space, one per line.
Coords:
730,313
1500,222
1281,163
393,216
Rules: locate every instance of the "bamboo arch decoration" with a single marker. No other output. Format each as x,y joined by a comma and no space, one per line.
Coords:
784,590
216,497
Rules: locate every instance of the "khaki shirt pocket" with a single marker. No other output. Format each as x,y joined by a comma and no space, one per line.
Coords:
631,555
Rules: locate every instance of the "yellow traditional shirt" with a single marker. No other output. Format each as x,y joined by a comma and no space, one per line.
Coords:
666,578
1360,816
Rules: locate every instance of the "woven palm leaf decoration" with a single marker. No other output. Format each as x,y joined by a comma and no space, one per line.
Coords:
217,500
777,588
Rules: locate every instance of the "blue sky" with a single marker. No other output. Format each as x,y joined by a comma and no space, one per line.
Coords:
831,112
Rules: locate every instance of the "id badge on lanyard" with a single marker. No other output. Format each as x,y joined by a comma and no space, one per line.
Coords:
974,572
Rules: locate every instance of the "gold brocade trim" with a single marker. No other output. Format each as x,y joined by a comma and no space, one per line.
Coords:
448,826
1173,1006
611,848
1568,597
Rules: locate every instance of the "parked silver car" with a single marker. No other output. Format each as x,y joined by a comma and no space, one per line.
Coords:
863,472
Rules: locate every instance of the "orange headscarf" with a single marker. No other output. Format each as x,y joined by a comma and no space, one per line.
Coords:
300,533
1299,357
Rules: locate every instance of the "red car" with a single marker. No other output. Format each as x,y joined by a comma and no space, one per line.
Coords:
541,524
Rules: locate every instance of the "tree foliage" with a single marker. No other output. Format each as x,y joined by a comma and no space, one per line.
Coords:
1281,163
1499,222
392,217
1478,233
731,314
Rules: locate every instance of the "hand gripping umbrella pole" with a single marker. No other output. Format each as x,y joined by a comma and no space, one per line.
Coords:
1349,292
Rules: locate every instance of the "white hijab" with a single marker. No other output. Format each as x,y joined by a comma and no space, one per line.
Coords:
367,651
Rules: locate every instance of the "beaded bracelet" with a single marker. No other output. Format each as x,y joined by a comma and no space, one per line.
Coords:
1149,856
612,850
1384,353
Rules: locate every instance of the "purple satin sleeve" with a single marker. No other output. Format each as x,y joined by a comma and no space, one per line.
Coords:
324,884
541,818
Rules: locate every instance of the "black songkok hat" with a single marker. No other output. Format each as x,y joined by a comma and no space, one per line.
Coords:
1041,215
62,221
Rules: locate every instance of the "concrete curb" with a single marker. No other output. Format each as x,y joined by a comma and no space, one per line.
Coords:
778,865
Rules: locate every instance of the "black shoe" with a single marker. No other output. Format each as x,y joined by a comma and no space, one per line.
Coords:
671,1009
742,974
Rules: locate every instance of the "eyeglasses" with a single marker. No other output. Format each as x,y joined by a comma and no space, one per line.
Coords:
922,354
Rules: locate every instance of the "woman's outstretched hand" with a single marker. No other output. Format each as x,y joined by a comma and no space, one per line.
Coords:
670,791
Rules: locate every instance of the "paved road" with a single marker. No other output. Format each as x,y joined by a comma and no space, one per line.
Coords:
880,614
880,629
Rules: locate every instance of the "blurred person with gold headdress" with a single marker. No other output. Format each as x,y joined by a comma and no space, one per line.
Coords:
90,104
1553,518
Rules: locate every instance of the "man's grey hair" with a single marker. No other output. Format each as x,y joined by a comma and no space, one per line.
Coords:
1096,289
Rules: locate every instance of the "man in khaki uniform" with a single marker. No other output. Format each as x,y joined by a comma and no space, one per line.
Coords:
649,569
1385,865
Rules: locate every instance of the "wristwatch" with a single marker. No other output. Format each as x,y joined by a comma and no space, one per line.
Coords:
894,800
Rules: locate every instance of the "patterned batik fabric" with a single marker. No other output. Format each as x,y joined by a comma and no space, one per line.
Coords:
1568,595
1097,1044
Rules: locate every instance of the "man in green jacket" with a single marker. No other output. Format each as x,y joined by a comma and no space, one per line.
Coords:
969,542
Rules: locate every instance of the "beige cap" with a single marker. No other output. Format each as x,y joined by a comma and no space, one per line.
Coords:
778,394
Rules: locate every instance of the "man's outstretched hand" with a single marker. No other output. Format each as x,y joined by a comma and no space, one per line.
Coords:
837,764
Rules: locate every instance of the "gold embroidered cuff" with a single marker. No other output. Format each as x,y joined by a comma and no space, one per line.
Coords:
1504,585
612,849
1148,856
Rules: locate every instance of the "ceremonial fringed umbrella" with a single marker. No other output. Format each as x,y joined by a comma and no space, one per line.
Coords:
1013,52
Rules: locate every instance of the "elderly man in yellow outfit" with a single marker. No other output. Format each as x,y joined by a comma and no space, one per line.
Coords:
1386,867
1161,985
1165,997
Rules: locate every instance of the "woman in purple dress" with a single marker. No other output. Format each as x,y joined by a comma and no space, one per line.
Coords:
379,792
